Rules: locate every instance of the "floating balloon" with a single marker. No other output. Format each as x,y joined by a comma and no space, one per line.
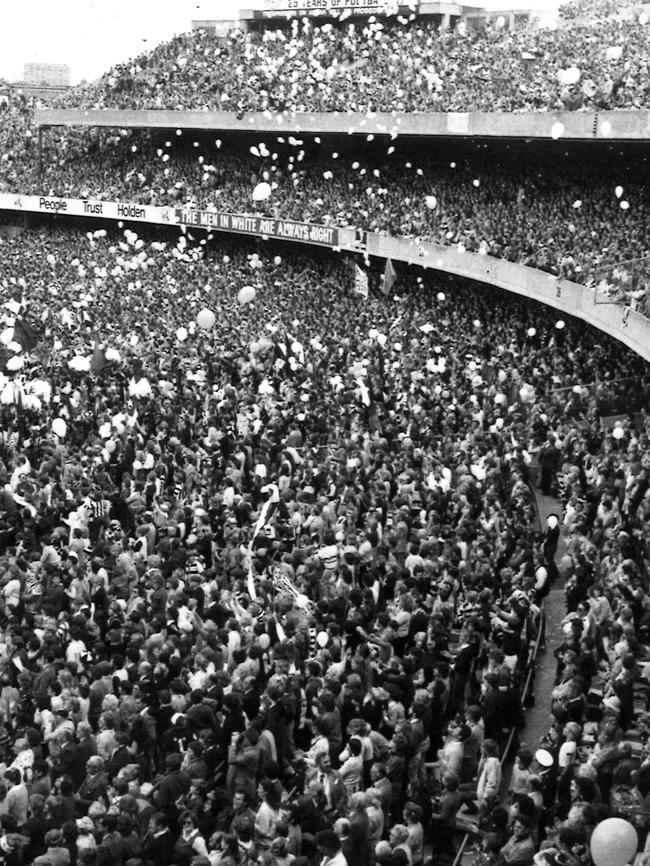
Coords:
262,191
624,205
552,522
322,639
571,75
431,202
614,842
560,325
531,332
618,433
59,428
527,394
50,259
246,294
181,334
264,641
206,319
441,296
618,191
277,261
557,130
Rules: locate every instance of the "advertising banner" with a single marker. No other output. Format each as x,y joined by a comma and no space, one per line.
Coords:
267,227
290,8
87,207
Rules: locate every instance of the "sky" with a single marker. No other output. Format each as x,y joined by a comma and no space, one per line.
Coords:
92,36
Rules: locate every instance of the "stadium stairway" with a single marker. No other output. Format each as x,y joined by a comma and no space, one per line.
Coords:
537,717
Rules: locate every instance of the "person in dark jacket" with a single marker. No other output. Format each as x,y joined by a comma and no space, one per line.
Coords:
173,784
158,843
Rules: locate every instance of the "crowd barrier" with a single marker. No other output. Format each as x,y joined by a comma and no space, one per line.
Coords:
622,323
577,125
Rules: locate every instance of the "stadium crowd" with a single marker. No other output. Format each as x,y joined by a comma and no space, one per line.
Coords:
549,209
576,64
271,567
271,576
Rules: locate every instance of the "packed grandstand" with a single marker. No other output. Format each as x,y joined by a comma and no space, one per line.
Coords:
280,520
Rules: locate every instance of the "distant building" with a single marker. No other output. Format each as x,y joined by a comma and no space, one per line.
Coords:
51,74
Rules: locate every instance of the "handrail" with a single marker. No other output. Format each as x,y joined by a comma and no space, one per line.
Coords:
527,685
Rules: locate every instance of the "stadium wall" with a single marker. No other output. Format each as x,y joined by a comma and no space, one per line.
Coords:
620,125
622,323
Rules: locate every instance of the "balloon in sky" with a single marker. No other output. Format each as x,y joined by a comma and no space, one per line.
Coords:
246,295
262,191
206,319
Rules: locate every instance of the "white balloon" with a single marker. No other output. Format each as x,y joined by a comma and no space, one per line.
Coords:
14,364
181,334
59,427
431,202
246,294
618,191
557,130
262,191
206,319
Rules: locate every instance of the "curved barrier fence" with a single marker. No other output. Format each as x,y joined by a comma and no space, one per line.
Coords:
622,323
